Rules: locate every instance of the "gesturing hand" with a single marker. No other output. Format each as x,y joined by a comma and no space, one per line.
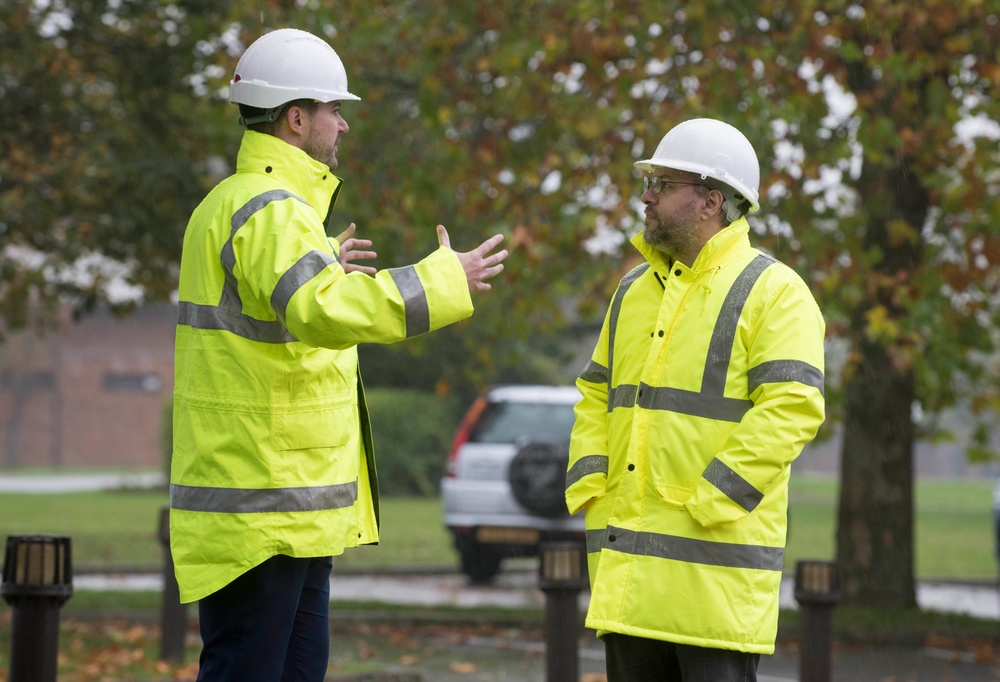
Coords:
479,264
349,251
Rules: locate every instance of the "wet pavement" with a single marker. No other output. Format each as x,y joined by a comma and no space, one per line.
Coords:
517,589
382,646
500,656
458,654
375,647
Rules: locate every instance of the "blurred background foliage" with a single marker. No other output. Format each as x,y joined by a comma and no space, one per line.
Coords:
875,122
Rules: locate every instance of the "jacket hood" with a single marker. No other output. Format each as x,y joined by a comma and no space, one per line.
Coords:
719,249
303,175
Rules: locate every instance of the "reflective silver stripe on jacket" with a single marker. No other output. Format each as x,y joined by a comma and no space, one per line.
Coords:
596,540
716,407
258,500
228,315
585,466
711,402
215,317
720,348
304,270
418,318
733,485
616,308
690,550
777,371
595,373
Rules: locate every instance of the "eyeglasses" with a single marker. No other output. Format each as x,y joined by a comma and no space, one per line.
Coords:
658,184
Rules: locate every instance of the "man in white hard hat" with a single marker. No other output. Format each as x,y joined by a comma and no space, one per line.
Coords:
273,470
706,382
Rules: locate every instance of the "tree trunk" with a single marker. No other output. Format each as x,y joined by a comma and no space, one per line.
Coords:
875,516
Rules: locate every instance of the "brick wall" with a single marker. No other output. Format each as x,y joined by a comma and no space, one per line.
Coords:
91,394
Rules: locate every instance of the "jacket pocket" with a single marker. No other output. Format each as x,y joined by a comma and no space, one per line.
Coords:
315,427
673,496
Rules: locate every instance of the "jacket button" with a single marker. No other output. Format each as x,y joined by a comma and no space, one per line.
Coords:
611,538
677,272
631,467
661,333
268,169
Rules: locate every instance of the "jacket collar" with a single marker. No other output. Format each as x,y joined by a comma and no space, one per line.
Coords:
723,245
288,165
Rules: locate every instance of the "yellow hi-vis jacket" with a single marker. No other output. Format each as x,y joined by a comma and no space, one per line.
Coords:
704,385
272,445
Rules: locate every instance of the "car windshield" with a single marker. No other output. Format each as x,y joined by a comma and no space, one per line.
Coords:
518,422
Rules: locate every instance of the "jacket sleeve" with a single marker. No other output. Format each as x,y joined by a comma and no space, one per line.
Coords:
291,272
785,384
587,475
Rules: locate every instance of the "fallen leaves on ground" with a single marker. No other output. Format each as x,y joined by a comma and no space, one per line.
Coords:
109,651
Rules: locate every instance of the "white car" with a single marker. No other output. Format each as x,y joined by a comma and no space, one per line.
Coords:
503,492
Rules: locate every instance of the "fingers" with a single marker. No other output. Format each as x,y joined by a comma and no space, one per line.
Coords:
353,254
443,238
366,269
490,244
488,273
355,244
479,264
496,258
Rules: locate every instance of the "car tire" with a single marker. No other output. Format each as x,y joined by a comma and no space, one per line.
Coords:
480,563
537,478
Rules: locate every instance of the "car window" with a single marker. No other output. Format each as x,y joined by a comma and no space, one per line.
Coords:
518,422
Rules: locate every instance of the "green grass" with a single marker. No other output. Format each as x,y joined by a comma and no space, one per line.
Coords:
119,529
106,528
954,537
954,526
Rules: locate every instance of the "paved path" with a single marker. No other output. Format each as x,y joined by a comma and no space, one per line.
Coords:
517,589
65,483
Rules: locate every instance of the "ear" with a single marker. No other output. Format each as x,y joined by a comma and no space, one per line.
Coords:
713,204
296,120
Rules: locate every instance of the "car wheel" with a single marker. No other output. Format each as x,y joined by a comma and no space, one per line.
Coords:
537,477
480,563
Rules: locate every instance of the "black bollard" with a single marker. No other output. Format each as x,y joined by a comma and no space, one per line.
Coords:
173,614
562,573
37,581
817,592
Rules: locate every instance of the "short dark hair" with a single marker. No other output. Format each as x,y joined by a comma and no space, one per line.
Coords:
271,127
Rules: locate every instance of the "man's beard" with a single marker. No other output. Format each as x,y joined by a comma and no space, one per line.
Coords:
321,151
676,235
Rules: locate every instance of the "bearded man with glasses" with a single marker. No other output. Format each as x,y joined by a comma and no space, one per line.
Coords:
705,384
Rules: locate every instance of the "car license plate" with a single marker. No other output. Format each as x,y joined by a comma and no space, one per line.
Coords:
518,536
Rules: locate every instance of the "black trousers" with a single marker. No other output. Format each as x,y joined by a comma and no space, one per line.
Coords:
637,659
272,624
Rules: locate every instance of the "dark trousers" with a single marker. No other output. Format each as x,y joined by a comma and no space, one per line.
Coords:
272,624
636,659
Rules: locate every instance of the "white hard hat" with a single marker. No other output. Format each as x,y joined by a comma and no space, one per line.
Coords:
286,65
716,151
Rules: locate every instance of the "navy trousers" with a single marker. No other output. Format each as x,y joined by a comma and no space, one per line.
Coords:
636,659
272,624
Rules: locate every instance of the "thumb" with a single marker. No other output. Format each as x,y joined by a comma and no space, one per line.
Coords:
443,239
346,234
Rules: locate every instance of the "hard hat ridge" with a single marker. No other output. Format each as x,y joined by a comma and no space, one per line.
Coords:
286,65
717,152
